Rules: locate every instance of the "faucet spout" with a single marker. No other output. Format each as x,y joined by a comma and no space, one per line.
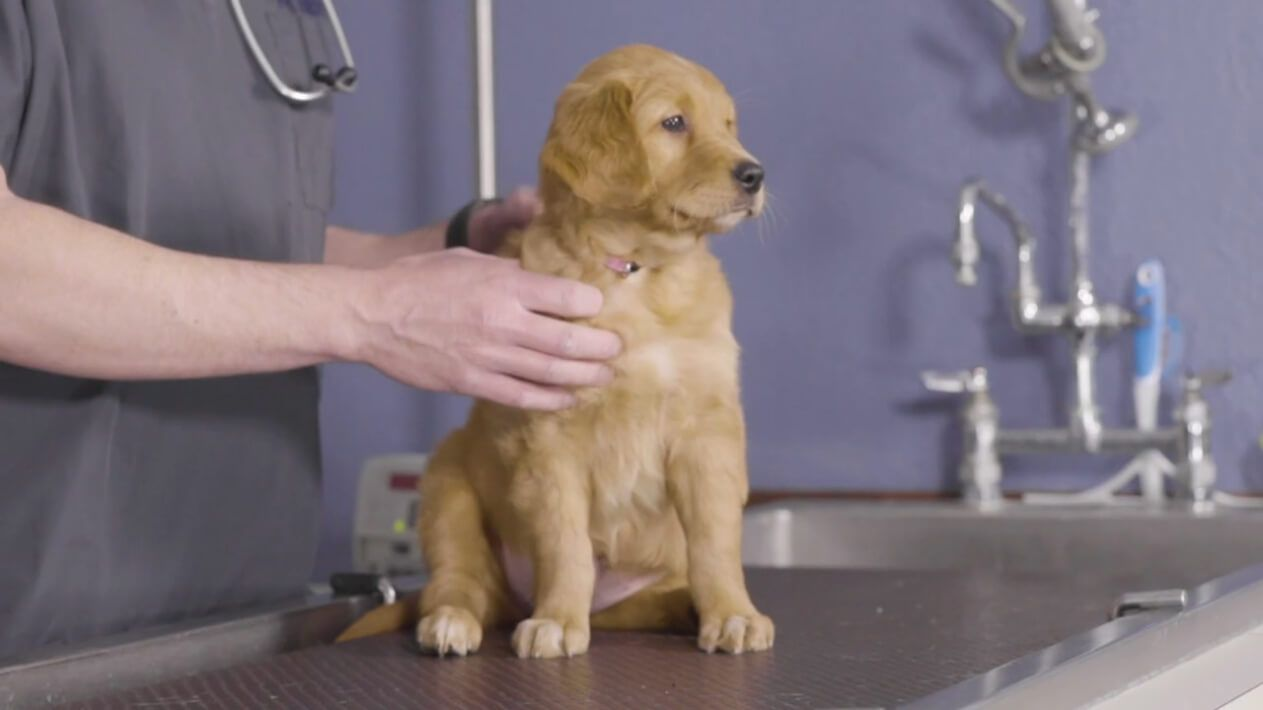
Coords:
967,251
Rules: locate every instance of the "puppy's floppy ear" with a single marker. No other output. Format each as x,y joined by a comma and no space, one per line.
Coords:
593,147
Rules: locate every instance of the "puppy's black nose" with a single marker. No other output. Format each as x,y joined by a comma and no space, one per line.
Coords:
749,175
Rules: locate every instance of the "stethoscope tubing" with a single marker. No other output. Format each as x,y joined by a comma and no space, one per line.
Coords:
342,80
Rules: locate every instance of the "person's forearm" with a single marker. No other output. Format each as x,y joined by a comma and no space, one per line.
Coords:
485,230
348,247
80,299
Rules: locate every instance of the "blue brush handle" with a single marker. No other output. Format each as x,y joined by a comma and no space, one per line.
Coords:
1149,301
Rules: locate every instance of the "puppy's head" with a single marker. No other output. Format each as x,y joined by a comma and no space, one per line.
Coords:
646,132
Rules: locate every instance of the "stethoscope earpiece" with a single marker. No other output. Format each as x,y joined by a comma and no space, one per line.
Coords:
326,79
343,80
322,74
347,76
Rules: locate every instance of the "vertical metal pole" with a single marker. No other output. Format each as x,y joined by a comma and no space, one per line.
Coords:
1086,418
484,69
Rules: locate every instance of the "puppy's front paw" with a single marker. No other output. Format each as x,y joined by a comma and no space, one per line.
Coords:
736,633
546,638
449,630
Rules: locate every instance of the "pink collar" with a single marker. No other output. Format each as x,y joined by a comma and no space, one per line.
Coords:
622,267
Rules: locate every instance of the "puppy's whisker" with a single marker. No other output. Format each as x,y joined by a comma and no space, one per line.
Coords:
766,226
768,220
774,220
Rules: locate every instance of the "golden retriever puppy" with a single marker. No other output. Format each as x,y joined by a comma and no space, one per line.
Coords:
623,512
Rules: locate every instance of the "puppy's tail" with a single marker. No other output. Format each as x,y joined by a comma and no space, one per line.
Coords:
403,614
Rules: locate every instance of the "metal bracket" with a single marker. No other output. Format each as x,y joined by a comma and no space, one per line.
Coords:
357,583
1155,600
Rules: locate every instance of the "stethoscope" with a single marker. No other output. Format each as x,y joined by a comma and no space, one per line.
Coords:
327,80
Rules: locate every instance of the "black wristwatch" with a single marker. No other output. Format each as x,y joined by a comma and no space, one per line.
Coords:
457,234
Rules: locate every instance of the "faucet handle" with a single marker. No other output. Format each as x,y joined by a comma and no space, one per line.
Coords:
1200,381
971,381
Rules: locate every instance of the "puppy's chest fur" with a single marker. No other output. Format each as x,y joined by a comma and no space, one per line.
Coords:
679,359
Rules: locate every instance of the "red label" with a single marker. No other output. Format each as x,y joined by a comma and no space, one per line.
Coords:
404,481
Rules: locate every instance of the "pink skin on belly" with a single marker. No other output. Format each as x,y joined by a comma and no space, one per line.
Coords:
612,586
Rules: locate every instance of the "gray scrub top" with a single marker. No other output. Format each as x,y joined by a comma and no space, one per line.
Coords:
124,504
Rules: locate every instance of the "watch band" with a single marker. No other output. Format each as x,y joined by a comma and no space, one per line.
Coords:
457,234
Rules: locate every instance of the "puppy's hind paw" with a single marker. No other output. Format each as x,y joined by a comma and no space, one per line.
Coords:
736,633
545,638
451,630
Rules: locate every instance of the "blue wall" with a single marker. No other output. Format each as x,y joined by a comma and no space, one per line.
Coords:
867,114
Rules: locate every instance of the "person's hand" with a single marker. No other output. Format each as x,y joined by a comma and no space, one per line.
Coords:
479,325
490,224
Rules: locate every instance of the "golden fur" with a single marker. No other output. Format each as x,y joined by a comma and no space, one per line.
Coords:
648,473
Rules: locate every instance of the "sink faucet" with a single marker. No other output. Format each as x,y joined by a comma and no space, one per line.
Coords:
1061,68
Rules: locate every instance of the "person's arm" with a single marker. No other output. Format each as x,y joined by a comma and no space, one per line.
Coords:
349,247
81,299
486,230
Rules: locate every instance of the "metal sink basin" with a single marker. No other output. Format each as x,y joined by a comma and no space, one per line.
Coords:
1171,546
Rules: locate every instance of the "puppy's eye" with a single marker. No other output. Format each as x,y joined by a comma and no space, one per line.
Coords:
675,124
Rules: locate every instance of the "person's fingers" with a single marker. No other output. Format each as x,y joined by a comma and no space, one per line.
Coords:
557,296
524,203
567,340
539,368
514,212
512,392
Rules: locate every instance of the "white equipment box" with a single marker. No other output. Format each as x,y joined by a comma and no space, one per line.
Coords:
385,535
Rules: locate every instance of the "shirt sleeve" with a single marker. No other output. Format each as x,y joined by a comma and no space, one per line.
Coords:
15,74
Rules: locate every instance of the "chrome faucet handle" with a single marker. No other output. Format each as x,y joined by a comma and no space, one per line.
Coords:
1114,317
963,381
1201,381
1197,471
980,470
